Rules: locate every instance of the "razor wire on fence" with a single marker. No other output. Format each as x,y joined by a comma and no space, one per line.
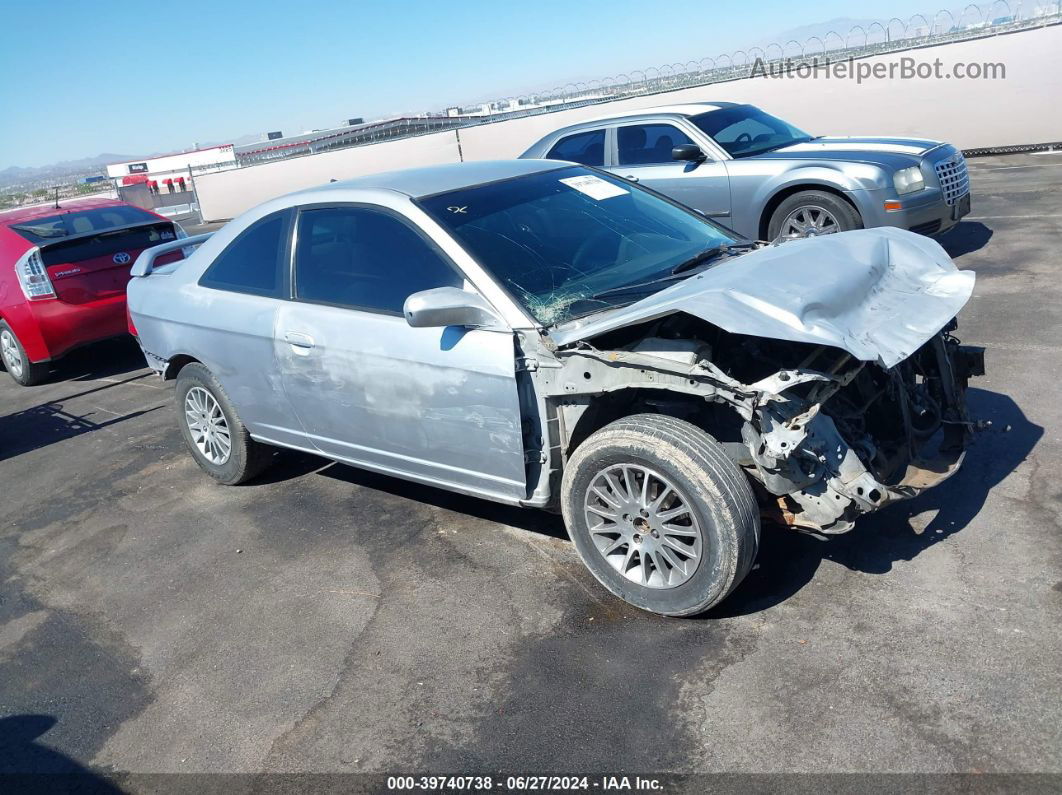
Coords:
895,35
974,21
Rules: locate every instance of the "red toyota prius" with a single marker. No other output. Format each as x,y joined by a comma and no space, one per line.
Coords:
63,273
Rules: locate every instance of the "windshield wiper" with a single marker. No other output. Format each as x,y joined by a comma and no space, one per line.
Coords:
680,271
710,254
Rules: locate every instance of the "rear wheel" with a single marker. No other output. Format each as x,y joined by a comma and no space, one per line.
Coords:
660,515
218,440
812,212
16,362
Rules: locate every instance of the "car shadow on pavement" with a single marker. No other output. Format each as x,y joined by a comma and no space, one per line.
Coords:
99,360
48,423
965,238
535,521
788,559
28,766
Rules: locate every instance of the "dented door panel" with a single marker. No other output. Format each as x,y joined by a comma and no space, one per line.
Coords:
436,404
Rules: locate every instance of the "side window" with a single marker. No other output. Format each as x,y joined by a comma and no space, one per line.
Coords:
253,262
642,144
364,259
587,148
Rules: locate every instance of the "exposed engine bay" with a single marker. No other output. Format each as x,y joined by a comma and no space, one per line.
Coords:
826,437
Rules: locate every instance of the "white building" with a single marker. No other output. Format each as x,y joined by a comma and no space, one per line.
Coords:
172,166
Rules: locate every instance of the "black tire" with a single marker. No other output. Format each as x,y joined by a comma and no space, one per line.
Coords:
246,457
844,214
709,483
25,372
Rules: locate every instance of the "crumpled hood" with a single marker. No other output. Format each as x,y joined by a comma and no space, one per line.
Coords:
879,294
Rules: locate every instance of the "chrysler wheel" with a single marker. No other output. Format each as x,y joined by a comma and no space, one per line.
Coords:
808,221
642,526
11,354
659,513
207,425
811,213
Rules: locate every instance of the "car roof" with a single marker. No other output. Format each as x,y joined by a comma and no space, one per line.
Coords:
47,210
687,109
429,180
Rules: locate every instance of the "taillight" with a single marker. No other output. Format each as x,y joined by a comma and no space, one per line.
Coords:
33,277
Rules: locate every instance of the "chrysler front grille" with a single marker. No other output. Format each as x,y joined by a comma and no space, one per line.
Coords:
954,178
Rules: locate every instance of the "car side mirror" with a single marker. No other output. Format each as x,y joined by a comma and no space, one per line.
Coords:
690,152
448,306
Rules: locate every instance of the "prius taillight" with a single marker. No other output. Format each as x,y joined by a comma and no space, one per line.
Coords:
33,276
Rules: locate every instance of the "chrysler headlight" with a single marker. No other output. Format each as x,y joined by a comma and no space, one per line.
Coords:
908,180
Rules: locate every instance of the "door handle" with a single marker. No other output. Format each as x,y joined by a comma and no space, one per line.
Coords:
631,177
297,339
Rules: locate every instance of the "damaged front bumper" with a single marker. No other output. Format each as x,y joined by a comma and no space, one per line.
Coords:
822,480
846,488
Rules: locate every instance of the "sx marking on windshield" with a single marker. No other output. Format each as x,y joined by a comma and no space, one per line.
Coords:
462,210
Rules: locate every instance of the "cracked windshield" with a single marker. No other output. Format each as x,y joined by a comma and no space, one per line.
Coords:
570,242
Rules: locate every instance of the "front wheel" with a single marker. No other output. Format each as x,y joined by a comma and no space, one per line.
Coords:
812,212
16,362
660,515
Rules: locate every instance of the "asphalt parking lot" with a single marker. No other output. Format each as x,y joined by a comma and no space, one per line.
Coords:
322,619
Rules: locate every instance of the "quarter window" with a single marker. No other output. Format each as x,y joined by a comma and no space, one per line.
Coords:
365,259
252,262
587,148
642,144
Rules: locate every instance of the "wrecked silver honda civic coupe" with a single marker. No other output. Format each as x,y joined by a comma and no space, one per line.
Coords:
547,335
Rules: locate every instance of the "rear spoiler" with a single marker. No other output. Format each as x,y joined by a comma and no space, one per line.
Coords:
145,263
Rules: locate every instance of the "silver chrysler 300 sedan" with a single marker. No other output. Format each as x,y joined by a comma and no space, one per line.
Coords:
547,335
765,178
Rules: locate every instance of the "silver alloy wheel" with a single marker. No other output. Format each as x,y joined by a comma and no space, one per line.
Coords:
9,352
206,422
642,526
809,220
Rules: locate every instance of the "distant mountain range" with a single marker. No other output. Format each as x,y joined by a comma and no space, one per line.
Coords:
67,170
85,166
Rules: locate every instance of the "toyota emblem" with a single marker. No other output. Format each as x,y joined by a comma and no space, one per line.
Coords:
121,258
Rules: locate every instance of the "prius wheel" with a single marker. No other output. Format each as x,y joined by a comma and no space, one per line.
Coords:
218,440
16,362
810,213
660,515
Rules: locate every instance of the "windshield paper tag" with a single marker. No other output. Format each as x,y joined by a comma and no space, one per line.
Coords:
595,187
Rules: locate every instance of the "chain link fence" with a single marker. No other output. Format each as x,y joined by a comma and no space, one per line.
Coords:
877,38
